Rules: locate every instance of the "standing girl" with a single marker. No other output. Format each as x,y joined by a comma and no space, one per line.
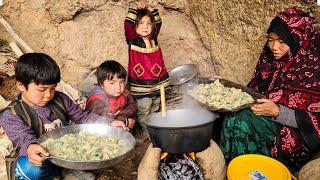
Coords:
146,69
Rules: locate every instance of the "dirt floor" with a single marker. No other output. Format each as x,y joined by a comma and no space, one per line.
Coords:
127,169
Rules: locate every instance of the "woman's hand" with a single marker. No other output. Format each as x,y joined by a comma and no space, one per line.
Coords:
265,107
215,76
33,153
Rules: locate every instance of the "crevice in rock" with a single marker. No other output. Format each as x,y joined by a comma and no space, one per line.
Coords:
84,10
78,12
172,8
212,59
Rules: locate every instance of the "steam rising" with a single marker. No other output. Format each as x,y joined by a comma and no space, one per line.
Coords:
188,113
97,119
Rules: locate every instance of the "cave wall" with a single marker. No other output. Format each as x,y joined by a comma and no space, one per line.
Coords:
235,31
81,34
221,37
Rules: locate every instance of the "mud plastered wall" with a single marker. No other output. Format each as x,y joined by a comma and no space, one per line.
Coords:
221,37
235,31
80,34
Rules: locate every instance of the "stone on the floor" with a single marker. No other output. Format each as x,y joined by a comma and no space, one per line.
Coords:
3,172
310,171
212,162
148,167
5,146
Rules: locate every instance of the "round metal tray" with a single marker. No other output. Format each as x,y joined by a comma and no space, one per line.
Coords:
183,73
102,130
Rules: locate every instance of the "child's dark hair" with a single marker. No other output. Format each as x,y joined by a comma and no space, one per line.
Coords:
145,12
38,68
108,70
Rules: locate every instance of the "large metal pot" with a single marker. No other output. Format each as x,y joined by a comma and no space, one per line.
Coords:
103,130
182,131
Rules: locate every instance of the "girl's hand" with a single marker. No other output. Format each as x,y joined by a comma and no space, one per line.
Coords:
133,6
142,4
265,107
33,153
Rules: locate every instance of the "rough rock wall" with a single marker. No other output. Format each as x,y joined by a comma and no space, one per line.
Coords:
80,34
221,37
235,31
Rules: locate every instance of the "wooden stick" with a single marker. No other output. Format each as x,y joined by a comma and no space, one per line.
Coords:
163,101
6,25
69,89
16,49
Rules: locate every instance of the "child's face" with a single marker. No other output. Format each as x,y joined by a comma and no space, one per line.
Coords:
114,87
37,95
144,27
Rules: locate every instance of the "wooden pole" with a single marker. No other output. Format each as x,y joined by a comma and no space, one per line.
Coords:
16,49
163,102
7,26
73,93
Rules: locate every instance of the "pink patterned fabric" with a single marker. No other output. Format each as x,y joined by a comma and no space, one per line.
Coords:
293,81
297,77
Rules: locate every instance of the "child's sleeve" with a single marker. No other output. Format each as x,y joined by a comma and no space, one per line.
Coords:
79,116
97,106
157,19
129,25
17,131
131,110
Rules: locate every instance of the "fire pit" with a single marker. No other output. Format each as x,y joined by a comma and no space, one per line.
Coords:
208,164
179,167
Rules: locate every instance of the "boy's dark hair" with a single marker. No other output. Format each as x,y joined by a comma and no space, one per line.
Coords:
108,70
38,68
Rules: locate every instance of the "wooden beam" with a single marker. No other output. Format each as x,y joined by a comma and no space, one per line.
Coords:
7,26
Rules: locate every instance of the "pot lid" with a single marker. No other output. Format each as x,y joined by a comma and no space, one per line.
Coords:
183,73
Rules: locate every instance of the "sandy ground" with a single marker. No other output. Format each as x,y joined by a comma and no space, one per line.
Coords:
127,169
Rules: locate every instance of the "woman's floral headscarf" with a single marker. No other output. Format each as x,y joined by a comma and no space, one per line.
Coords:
294,80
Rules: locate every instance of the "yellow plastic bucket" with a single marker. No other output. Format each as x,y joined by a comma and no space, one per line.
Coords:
254,166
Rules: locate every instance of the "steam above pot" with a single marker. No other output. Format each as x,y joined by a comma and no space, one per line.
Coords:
178,118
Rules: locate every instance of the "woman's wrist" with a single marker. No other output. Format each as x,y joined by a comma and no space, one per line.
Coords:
277,111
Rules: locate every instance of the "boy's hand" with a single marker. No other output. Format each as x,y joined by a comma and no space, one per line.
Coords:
119,123
265,107
131,123
33,153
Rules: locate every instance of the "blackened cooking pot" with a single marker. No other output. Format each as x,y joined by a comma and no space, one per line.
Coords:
182,131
